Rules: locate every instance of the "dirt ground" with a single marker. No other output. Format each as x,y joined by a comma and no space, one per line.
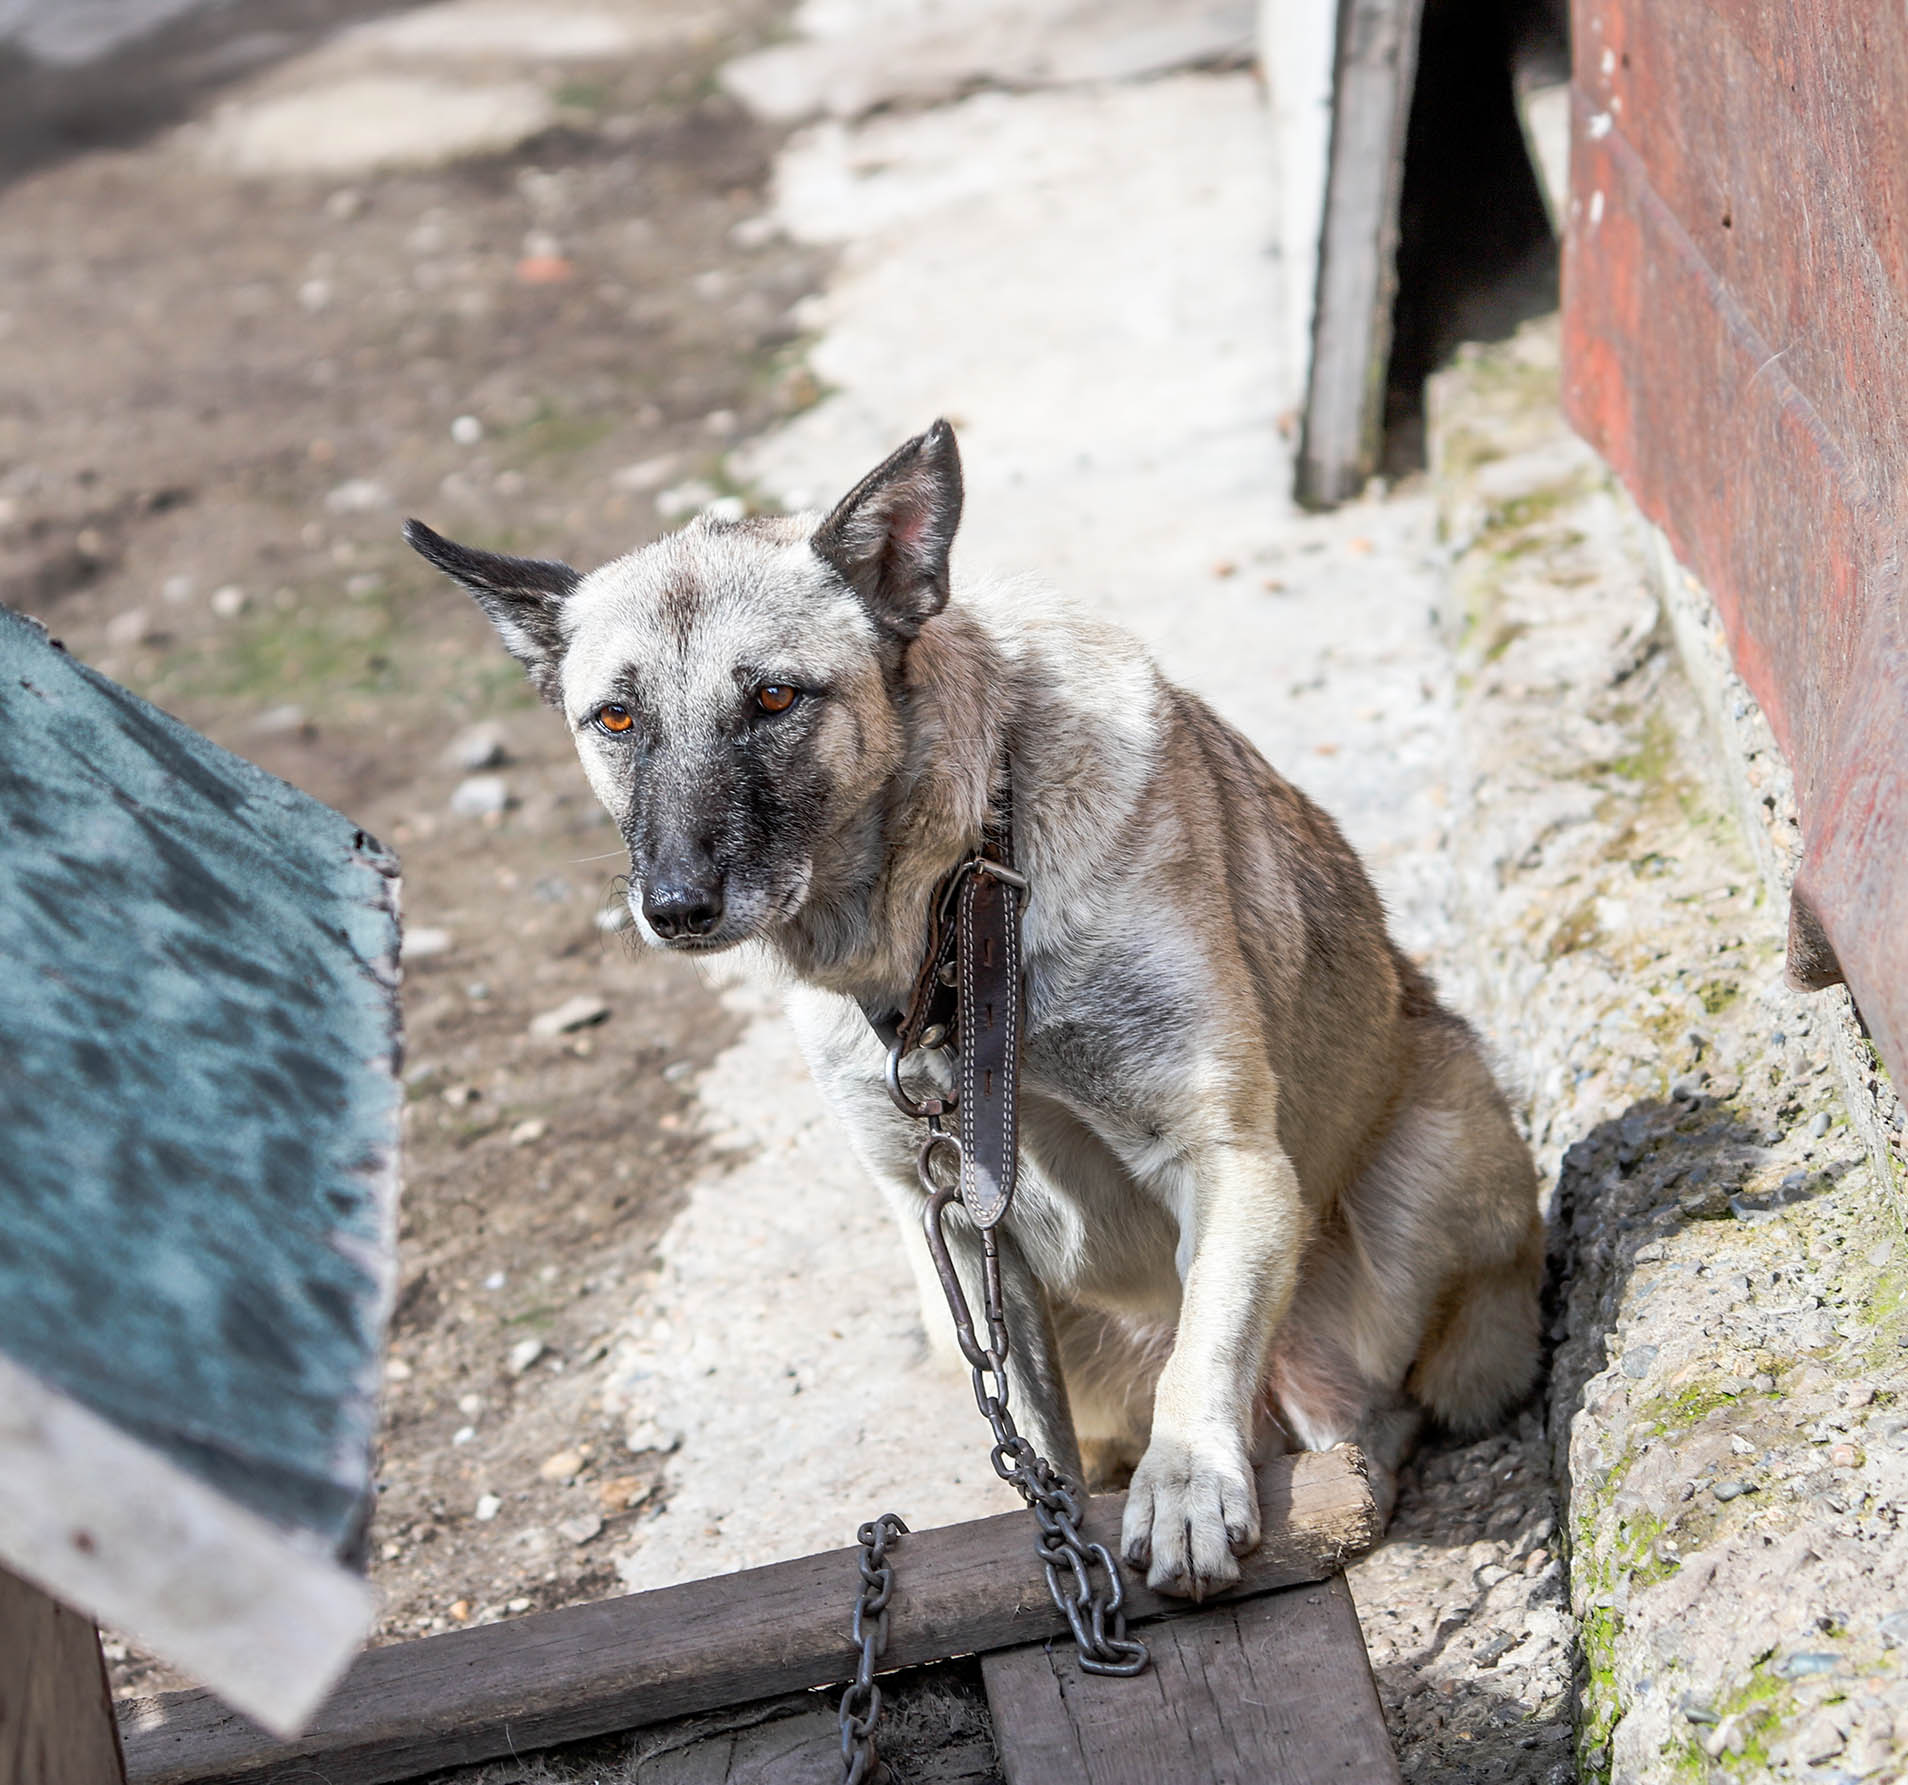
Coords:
218,397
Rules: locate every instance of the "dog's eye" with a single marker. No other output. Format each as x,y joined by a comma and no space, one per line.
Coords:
614,718
777,697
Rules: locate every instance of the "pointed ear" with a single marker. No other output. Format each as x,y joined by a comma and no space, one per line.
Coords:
889,537
522,596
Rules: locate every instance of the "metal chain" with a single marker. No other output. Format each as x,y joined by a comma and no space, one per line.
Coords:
861,1703
1082,1576
1090,1593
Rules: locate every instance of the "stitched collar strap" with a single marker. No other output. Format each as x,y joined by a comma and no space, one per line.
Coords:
986,1102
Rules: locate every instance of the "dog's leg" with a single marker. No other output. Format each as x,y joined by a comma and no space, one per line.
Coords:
1193,1507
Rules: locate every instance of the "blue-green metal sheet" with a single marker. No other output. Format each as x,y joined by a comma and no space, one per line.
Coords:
198,1092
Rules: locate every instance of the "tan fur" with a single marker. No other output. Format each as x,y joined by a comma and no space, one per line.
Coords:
1268,1186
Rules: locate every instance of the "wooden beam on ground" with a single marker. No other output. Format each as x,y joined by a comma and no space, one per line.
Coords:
56,1710
622,1663
1276,1690
1372,82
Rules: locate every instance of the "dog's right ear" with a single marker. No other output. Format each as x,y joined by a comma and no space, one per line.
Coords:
890,536
522,596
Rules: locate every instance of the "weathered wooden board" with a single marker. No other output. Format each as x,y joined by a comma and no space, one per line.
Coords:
1276,1690
1377,42
1735,327
199,1114
56,1713
624,1663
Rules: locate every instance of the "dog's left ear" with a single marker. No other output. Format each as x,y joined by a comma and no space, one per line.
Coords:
890,536
522,596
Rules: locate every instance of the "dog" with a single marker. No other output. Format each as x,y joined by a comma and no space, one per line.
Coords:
1269,1188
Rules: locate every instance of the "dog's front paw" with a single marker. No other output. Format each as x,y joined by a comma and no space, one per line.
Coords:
1192,1510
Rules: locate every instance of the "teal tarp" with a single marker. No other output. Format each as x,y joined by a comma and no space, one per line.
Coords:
198,1104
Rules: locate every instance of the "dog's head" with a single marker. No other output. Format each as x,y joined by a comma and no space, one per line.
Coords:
734,689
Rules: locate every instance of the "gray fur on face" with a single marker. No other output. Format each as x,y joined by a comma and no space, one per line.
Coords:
1268,1182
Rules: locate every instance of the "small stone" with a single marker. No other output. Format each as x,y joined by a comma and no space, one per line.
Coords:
1819,1125
1537,1561
1638,1359
1894,1629
488,1506
278,719
481,796
719,422
229,602
477,747
1844,1456
579,1012
1689,1087
396,1370
461,1096
358,495
1732,1490
516,1605
563,1465
424,944
582,1528
496,1279
648,1435
464,1435
646,475
133,627
1698,1712
684,499
460,1608
523,1354
467,430
470,1405
391,1551
527,1134
1808,1663
1741,1446
621,1492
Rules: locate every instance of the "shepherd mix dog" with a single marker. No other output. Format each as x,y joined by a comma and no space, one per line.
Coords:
1269,1190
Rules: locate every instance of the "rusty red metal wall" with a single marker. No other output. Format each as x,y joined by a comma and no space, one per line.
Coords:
1736,344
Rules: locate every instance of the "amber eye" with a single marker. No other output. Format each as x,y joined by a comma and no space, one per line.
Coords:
615,718
777,697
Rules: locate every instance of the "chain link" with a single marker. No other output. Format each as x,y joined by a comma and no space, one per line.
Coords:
861,1703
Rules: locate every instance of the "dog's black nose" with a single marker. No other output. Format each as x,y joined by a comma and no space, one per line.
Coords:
675,909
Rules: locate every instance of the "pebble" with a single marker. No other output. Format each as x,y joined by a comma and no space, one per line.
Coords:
422,945
1894,1629
358,495
229,602
481,796
133,627
464,1435
288,717
477,747
563,1465
648,1435
1732,1490
582,1528
1819,1125
648,474
529,1133
1797,1667
517,1605
460,1609
574,1013
523,1354
488,1506
470,1405
1638,1359
467,430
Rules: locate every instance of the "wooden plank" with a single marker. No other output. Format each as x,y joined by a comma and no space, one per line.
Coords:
56,1710
1377,52
1274,1691
622,1663
934,1730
